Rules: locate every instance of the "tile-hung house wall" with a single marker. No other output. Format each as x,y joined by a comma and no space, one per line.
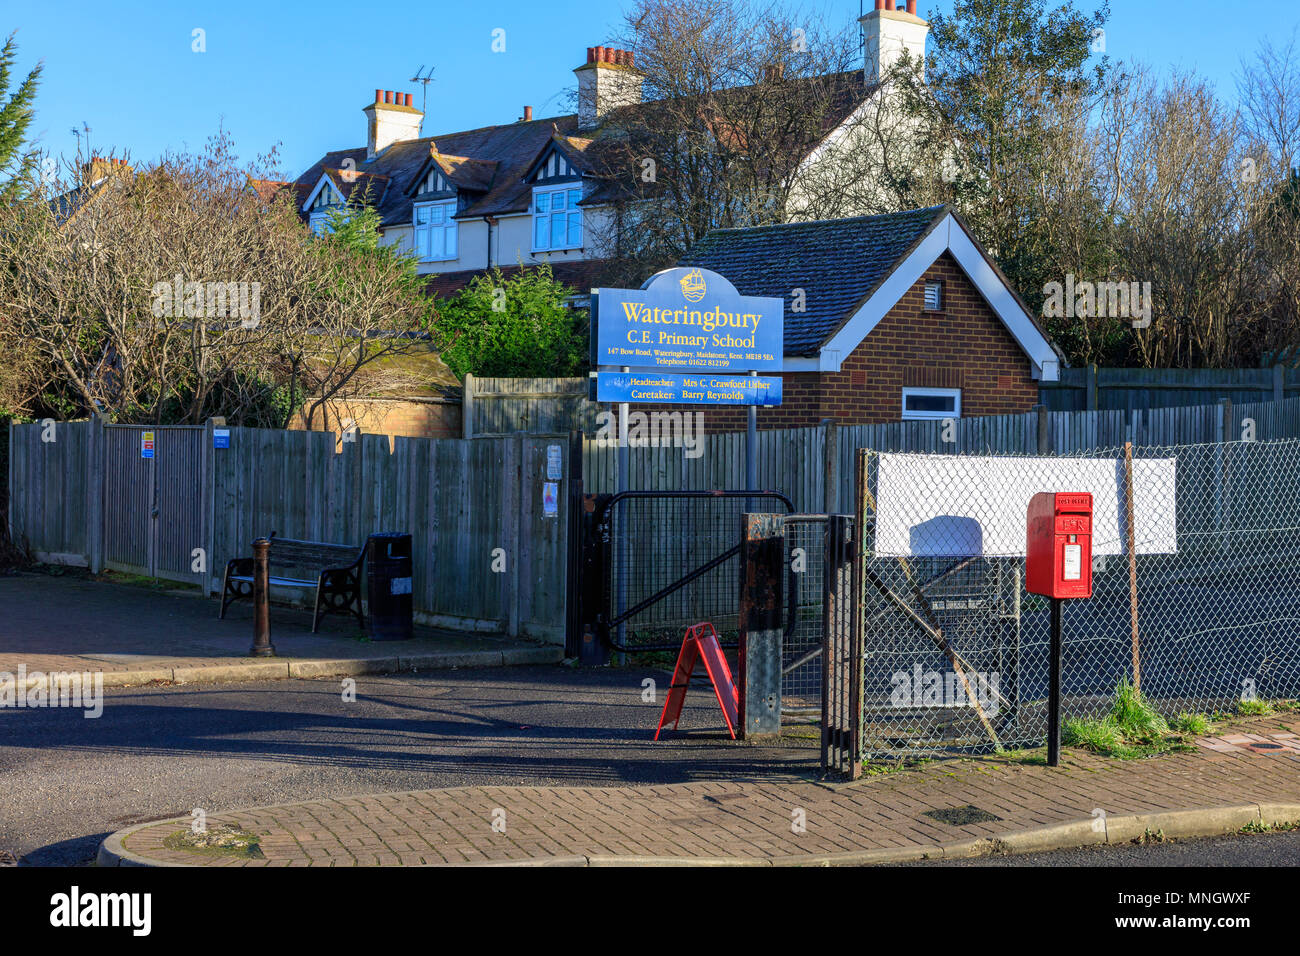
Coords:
525,192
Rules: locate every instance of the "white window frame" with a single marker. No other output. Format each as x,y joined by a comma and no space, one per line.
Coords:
910,391
449,228
571,208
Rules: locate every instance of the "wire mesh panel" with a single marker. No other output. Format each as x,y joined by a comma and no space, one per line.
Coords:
674,561
801,651
956,651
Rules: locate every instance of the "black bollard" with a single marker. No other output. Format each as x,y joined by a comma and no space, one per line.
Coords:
262,646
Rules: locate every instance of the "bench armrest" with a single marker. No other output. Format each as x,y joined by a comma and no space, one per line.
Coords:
239,566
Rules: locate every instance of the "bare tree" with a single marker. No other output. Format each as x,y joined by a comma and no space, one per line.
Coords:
734,96
174,292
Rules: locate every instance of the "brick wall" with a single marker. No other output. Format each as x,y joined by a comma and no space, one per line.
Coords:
394,417
965,346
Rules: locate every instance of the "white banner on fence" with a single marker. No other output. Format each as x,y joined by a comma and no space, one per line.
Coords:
959,505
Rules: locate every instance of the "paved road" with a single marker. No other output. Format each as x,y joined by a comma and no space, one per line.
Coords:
1247,849
162,751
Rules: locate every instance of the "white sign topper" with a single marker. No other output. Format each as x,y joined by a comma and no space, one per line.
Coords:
962,506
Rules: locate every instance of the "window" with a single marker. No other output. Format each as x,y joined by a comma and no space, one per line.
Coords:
934,296
435,231
320,223
931,404
319,210
557,219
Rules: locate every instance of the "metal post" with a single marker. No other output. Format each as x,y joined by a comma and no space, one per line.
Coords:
841,754
751,450
262,646
1054,689
624,466
762,599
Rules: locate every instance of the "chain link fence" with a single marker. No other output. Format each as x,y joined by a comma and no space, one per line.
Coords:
956,651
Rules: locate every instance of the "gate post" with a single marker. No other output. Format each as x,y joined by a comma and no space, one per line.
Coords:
841,655
762,573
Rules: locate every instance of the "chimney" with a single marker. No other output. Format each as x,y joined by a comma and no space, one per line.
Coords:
390,119
528,114
886,34
101,167
609,79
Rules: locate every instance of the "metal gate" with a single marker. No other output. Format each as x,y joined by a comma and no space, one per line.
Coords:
154,516
656,562
821,635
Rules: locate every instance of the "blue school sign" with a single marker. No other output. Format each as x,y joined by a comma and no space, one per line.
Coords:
687,319
688,389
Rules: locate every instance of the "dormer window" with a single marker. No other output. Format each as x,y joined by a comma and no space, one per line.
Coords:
435,182
557,217
318,210
435,230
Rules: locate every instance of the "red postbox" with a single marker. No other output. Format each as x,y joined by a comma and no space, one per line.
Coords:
1058,550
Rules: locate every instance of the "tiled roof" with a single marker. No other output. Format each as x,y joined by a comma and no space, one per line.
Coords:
579,276
510,149
837,262
475,175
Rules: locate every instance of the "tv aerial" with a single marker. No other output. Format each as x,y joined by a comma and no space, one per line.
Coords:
426,79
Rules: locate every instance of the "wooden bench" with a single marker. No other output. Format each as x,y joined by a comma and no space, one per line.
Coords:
334,570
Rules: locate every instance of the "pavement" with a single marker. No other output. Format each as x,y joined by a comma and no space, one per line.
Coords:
1247,776
138,635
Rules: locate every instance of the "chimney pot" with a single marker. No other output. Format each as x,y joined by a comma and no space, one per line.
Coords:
911,7
600,54
408,99
379,96
591,54
609,54
631,58
889,4
528,114
880,4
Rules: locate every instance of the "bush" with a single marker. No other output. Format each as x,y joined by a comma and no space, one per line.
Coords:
516,326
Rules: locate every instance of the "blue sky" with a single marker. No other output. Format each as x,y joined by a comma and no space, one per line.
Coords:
299,73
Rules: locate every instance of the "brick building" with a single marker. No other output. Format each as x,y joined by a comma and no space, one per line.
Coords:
900,316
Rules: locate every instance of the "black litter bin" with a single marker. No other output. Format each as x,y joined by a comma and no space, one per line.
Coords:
388,585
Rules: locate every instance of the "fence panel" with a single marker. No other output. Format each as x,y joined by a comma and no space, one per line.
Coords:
1217,620
51,502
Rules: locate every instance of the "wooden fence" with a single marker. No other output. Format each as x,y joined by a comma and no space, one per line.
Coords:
465,499
1091,388
488,556
555,405
501,406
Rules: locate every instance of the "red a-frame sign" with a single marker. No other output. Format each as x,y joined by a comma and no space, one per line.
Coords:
701,642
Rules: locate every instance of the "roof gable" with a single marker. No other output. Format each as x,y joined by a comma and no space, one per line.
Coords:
853,271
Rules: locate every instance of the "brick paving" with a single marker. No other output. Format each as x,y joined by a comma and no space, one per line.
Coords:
135,635
753,821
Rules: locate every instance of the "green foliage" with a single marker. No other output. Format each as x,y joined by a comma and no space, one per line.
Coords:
1134,717
1102,735
16,115
1254,708
1133,728
515,326
1198,725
